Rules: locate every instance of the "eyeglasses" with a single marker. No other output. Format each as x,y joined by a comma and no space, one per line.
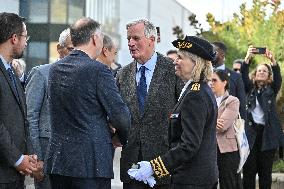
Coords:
237,69
26,36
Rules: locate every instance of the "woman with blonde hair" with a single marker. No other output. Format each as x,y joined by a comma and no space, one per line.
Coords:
263,127
192,128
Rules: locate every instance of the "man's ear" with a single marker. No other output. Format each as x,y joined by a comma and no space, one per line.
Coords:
105,51
14,38
59,48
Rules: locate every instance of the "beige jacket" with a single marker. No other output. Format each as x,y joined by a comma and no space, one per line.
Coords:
228,111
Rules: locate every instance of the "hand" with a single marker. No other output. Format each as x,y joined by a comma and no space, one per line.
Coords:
133,174
249,54
144,171
27,166
18,67
38,175
115,141
220,124
270,56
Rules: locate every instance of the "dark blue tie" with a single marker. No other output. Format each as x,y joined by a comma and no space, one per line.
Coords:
142,89
13,79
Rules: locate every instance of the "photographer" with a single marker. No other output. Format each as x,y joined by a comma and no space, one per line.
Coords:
263,127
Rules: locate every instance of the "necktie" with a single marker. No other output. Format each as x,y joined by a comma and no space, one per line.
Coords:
142,89
13,79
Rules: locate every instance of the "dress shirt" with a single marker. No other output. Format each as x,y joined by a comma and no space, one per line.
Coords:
219,100
222,67
258,114
149,71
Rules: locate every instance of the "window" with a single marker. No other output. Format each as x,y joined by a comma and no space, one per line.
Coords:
76,10
38,11
37,54
58,11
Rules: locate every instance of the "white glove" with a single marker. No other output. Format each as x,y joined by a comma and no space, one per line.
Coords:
144,171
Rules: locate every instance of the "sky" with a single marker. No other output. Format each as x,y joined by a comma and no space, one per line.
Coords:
221,9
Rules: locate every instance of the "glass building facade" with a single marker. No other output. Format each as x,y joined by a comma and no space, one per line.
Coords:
46,19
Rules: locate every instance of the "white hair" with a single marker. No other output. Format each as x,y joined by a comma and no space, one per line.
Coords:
149,27
63,37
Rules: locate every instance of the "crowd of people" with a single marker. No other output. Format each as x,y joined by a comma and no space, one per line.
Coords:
173,116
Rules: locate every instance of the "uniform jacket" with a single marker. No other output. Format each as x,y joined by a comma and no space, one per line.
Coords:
148,132
83,100
228,111
192,159
272,134
237,89
13,126
38,114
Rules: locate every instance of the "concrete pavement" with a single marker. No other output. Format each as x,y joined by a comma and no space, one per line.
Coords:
277,178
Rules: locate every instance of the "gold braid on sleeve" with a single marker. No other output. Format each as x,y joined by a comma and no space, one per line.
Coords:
159,167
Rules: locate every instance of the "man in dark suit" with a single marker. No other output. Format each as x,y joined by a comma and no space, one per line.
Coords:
83,100
13,163
38,114
150,88
236,83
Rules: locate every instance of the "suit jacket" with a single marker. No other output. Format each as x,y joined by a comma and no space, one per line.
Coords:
38,114
13,126
83,100
237,89
148,133
228,110
192,159
272,134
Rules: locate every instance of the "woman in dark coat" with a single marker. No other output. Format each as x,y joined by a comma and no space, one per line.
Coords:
263,126
192,158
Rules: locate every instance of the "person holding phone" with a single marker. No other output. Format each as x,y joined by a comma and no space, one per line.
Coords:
263,126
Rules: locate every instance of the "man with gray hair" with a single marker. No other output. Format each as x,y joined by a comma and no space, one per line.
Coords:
109,51
38,114
150,88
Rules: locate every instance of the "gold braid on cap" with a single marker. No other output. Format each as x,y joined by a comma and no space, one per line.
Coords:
159,167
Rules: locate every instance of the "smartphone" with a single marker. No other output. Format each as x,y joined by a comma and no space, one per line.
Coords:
260,50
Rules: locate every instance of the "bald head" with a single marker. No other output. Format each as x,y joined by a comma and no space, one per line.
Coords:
82,30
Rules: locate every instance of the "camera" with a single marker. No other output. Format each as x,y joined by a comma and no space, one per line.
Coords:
259,50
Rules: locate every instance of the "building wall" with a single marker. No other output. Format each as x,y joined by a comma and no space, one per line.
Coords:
12,6
163,13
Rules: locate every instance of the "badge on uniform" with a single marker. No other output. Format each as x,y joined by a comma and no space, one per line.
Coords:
172,116
195,87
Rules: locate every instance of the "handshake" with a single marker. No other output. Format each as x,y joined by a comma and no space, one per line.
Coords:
142,172
30,165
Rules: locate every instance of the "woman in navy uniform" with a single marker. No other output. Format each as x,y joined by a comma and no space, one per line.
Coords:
192,158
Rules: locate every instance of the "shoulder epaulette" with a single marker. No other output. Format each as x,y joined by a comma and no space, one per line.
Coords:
195,87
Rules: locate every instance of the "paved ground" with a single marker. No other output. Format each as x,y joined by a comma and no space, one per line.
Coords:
278,178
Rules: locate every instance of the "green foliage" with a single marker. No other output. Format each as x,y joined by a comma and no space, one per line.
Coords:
278,166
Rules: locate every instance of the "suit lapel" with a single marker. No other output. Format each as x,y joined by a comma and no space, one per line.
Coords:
131,82
158,77
20,91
